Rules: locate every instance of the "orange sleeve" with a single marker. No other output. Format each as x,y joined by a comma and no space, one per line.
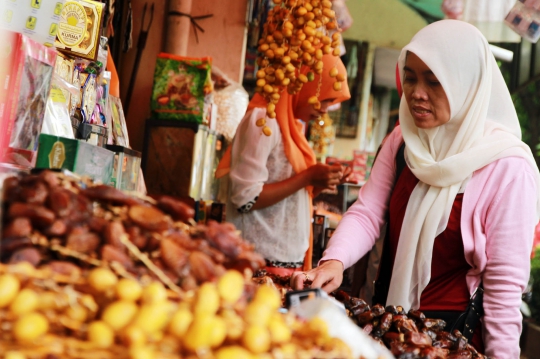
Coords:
114,88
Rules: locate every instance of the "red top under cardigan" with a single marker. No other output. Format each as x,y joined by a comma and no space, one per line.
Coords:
447,289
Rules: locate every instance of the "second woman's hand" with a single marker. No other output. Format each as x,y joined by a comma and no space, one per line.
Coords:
328,276
325,176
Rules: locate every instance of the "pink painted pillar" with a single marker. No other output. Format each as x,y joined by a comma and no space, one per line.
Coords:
177,35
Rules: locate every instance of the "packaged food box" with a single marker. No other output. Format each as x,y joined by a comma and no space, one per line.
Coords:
180,85
127,163
524,19
37,19
77,156
25,75
64,68
79,28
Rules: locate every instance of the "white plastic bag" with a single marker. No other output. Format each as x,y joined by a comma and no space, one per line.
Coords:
342,327
231,101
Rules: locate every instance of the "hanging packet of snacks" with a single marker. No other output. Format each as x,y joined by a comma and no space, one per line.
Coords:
524,18
296,34
57,121
180,86
26,75
79,28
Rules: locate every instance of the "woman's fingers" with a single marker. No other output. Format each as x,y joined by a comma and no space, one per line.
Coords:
297,280
321,278
332,285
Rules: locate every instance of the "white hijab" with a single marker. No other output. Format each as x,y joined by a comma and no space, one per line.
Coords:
483,128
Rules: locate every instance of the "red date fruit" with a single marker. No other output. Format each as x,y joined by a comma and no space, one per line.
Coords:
462,354
173,256
61,201
83,242
202,267
29,254
108,194
178,210
39,215
57,229
11,189
112,234
9,245
50,178
113,254
418,339
149,218
64,268
19,227
36,193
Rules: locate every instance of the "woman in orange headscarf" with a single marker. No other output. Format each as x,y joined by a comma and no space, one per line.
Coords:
273,177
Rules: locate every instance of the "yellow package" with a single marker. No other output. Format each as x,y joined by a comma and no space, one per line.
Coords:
78,28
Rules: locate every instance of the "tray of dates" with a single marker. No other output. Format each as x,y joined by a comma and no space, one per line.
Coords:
90,272
46,315
409,335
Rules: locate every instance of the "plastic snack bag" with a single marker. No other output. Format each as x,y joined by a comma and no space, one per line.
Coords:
524,18
180,85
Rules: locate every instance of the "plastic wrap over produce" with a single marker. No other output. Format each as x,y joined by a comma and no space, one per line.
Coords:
340,326
231,100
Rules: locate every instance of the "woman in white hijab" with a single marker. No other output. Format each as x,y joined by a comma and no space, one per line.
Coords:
462,212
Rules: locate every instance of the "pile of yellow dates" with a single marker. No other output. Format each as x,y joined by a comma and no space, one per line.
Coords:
47,316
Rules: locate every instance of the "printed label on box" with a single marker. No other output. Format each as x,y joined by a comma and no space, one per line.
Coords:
57,156
36,19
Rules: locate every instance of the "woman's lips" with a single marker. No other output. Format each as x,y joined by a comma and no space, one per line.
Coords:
421,112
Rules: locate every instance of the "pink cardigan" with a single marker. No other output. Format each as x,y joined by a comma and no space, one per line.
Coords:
497,223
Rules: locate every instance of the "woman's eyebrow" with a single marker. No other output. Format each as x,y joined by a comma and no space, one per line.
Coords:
427,72
405,68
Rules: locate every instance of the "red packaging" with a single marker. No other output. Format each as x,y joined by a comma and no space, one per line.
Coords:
26,75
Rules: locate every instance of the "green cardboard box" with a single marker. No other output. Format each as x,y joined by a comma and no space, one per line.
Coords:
77,156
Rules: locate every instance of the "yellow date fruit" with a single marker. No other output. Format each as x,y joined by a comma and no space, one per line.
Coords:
100,334
119,314
9,288
102,279
30,326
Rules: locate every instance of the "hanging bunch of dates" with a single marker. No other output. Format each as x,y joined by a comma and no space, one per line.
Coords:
51,218
408,335
296,33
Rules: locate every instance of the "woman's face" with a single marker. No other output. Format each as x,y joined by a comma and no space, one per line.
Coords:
307,113
424,94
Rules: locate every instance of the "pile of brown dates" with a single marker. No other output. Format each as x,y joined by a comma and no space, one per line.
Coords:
54,219
408,335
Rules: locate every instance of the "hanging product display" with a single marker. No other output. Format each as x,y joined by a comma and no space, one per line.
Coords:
27,71
79,28
524,18
37,19
295,34
180,86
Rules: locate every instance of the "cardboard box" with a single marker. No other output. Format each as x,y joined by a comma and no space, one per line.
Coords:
77,156
37,19
26,76
127,163
79,28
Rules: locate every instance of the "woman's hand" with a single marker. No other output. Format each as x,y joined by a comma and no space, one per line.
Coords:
348,176
325,176
327,276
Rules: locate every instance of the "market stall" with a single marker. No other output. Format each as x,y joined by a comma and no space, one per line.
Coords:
92,267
